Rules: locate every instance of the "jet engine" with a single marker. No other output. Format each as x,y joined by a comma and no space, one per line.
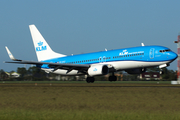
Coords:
136,71
98,70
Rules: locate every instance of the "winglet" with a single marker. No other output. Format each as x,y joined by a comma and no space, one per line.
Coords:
142,44
10,55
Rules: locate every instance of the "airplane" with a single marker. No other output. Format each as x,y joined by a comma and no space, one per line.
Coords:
133,60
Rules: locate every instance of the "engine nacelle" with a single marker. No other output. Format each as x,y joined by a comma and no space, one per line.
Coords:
98,70
136,71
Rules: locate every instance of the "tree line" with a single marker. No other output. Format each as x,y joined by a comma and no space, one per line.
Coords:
36,74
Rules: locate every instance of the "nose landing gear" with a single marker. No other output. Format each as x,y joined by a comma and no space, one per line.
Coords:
161,72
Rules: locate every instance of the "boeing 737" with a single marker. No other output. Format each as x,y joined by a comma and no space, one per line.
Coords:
133,60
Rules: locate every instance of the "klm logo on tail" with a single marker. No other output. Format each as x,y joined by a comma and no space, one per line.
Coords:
41,47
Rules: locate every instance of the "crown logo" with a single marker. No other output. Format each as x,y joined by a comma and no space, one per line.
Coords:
40,43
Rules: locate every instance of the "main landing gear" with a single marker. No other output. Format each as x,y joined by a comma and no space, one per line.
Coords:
112,78
90,79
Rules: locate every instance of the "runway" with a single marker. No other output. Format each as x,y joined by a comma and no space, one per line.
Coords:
87,85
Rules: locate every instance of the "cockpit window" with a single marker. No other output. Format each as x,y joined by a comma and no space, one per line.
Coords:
165,50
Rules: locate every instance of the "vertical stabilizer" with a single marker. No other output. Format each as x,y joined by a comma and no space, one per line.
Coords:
43,50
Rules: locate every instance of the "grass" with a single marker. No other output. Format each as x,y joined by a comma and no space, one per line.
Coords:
81,102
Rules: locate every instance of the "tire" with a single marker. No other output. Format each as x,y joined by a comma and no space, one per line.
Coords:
90,79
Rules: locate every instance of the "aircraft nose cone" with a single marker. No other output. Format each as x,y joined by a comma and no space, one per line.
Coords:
173,55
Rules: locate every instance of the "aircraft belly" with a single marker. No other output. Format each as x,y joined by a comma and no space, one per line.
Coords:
120,65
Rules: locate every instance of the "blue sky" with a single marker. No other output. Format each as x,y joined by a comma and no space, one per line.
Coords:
83,26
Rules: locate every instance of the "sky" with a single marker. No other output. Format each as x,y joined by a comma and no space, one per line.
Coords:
83,26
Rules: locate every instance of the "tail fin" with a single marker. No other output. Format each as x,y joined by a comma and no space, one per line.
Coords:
43,50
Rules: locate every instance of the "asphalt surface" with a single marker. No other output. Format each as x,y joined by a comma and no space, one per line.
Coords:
85,85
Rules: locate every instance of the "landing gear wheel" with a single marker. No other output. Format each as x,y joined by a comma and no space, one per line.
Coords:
90,79
161,72
112,78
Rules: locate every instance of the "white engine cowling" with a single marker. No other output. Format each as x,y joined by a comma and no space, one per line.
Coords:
98,70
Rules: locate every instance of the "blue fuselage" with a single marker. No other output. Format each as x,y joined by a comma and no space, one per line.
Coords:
142,53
